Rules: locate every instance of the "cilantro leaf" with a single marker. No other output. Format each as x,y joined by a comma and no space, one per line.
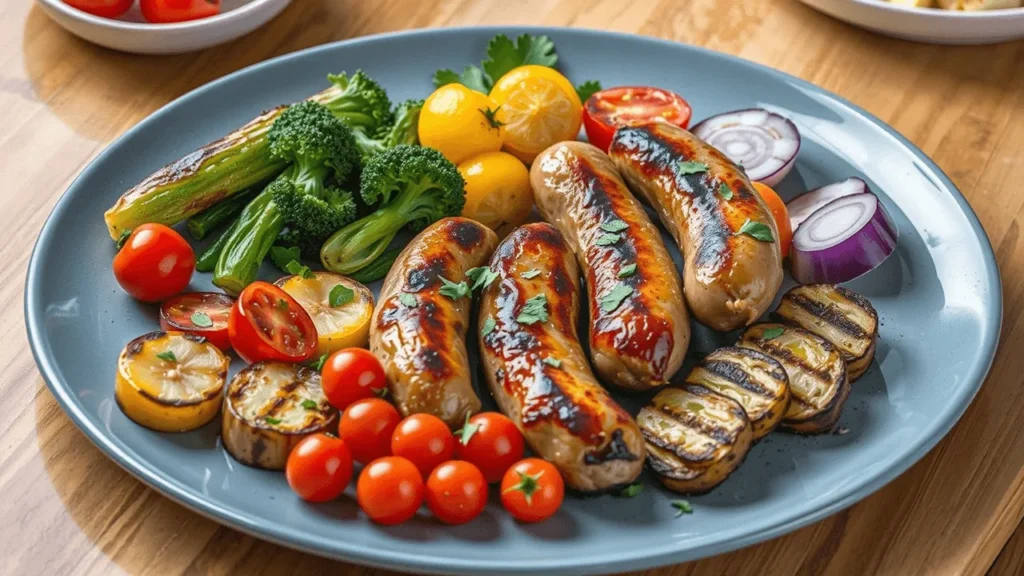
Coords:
167,356
607,239
281,256
309,404
683,507
453,290
201,319
481,276
534,310
614,298
503,55
772,333
340,295
531,274
471,77
689,167
615,225
756,230
488,326
725,192
407,300
627,270
587,89
294,267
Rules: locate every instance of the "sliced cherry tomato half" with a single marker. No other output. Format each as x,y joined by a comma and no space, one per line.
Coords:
352,374
268,324
166,11
201,313
319,468
102,8
609,109
532,490
154,263
779,213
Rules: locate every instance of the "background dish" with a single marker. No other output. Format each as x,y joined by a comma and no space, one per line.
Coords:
925,24
939,290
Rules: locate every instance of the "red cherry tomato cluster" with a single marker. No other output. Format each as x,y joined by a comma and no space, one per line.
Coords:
154,11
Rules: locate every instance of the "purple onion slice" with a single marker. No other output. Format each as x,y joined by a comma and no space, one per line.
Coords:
762,142
842,240
801,207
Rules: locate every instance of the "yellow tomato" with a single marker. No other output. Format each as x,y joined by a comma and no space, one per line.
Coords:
460,123
498,192
346,325
540,108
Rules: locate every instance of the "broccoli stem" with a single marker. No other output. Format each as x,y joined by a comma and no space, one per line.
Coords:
248,244
207,261
201,224
377,269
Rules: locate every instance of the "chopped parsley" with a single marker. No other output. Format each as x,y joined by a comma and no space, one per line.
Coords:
534,310
683,507
530,274
167,356
690,167
627,270
272,420
757,231
614,298
341,295
725,192
309,404
294,267
614,226
201,319
453,290
482,276
554,362
488,326
607,239
407,300
772,333
631,491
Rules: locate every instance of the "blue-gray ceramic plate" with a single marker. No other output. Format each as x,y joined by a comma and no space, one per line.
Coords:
938,299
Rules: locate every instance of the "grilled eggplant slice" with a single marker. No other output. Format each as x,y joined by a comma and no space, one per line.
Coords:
269,408
839,315
695,437
755,380
170,381
818,384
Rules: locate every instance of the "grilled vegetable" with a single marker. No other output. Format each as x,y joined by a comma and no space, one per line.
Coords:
340,308
695,437
201,224
841,316
755,380
269,408
170,381
818,383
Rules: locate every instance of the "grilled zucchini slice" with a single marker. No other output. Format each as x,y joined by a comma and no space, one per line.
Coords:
695,437
755,380
841,316
818,384
170,381
269,408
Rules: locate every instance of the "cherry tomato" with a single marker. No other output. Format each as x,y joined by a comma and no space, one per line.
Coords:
366,426
201,313
608,109
352,374
102,8
491,442
390,490
154,264
532,490
268,324
319,468
425,440
166,11
456,492
779,213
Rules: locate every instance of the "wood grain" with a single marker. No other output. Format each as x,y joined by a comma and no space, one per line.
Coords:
68,510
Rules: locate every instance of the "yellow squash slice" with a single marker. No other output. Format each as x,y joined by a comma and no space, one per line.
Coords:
343,326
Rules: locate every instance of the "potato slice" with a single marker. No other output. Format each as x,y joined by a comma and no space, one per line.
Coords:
695,437
170,381
337,327
755,380
818,384
269,408
841,316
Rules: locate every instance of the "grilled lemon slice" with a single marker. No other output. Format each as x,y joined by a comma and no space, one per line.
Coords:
752,378
695,437
269,408
170,381
346,325
841,316
818,384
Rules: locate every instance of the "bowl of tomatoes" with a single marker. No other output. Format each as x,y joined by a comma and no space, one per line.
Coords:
161,26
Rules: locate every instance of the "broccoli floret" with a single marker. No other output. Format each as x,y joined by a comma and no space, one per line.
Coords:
312,219
403,131
414,186
317,145
362,104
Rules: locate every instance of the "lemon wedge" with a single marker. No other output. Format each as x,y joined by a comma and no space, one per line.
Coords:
341,323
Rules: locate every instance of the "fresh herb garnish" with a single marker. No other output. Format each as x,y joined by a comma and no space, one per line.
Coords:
587,89
482,276
614,298
453,290
531,274
607,239
125,234
631,490
627,270
272,420
340,295
466,432
534,310
690,167
297,269
772,333
318,364
488,326
407,300
757,231
309,404
550,361
281,256
201,319
491,116
282,303
683,507
167,356
614,226
725,192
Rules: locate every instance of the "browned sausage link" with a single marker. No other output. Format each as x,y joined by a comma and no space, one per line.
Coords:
418,334
641,342
537,371
704,199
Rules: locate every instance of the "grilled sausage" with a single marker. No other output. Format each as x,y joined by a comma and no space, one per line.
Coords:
418,333
710,207
640,342
536,368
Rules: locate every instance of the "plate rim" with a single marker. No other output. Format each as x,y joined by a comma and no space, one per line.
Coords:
396,559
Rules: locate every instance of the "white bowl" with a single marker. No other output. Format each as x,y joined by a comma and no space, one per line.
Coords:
131,33
927,24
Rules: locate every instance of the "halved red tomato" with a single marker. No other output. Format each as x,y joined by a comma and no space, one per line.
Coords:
268,324
167,11
608,109
102,8
201,313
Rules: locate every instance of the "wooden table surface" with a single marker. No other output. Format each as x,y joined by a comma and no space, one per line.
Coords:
65,508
